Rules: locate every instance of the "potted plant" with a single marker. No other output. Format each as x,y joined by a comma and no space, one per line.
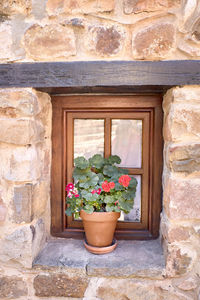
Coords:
101,190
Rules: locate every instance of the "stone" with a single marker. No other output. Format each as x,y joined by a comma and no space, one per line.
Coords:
20,163
8,7
154,41
188,8
184,158
21,131
16,247
41,195
178,263
5,42
189,48
182,124
59,285
22,202
50,43
140,6
186,95
15,103
3,212
56,7
105,41
12,287
188,284
181,198
175,233
39,236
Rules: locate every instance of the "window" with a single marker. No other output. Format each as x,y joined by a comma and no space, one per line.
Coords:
129,126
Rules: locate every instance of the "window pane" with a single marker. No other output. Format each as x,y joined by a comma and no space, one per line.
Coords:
88,137
135,213
127,142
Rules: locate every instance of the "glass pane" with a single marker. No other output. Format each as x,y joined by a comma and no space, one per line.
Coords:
127,142
88,137
135,213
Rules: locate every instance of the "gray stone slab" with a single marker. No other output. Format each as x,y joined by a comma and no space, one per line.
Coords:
130,258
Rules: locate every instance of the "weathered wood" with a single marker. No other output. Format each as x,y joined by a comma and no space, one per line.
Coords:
130,75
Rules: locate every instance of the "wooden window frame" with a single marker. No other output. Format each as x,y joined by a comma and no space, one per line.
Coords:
105,103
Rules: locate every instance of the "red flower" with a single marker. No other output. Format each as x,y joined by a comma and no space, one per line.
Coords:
112,185
76,196
106,186
124,180
69,187
93,192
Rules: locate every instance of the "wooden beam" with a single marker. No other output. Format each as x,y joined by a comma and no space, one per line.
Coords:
93,75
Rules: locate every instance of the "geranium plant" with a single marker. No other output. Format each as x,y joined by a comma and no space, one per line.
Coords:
100,186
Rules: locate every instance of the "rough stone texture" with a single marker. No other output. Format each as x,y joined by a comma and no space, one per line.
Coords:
12,287
20,131
55,7
184,158
22,201
139,6
131,258
155,41
17,246
40,197
181,198
3,212
8,7
16,103
51,42
174,233
59,285
105,41
188,284
5,42
20,163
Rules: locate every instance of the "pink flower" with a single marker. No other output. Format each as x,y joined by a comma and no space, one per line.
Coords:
76,196
69,187
93,192
112,185
99,191
69,195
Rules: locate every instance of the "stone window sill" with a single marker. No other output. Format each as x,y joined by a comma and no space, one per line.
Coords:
130,258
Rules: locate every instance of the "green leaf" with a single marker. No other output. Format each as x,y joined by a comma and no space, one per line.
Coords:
123,171
126,206
88,209
118,187
81,174
128,195
68,211
110,207
81,163
110,170
97,161
101,178
109,199
133,183
114,159
91,181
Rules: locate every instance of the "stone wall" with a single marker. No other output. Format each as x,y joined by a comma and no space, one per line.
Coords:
68,30
65,30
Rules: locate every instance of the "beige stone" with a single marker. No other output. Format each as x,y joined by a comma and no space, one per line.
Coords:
5,42
182,124
16,247
20,163
3,212
20,131
59,285
18,103
41,193
55,7
51,42
105,41
181,198
188,284
140,6
189,48
12,287
22,203
184,157
14,7
187,94
155,41
175,233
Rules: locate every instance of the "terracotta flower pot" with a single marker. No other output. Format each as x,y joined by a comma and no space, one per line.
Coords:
99,227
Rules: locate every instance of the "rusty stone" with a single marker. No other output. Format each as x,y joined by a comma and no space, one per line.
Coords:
8,7
51,42
155,41
22,201
139,6
59,285
55,7
12,287
181,198
105,41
